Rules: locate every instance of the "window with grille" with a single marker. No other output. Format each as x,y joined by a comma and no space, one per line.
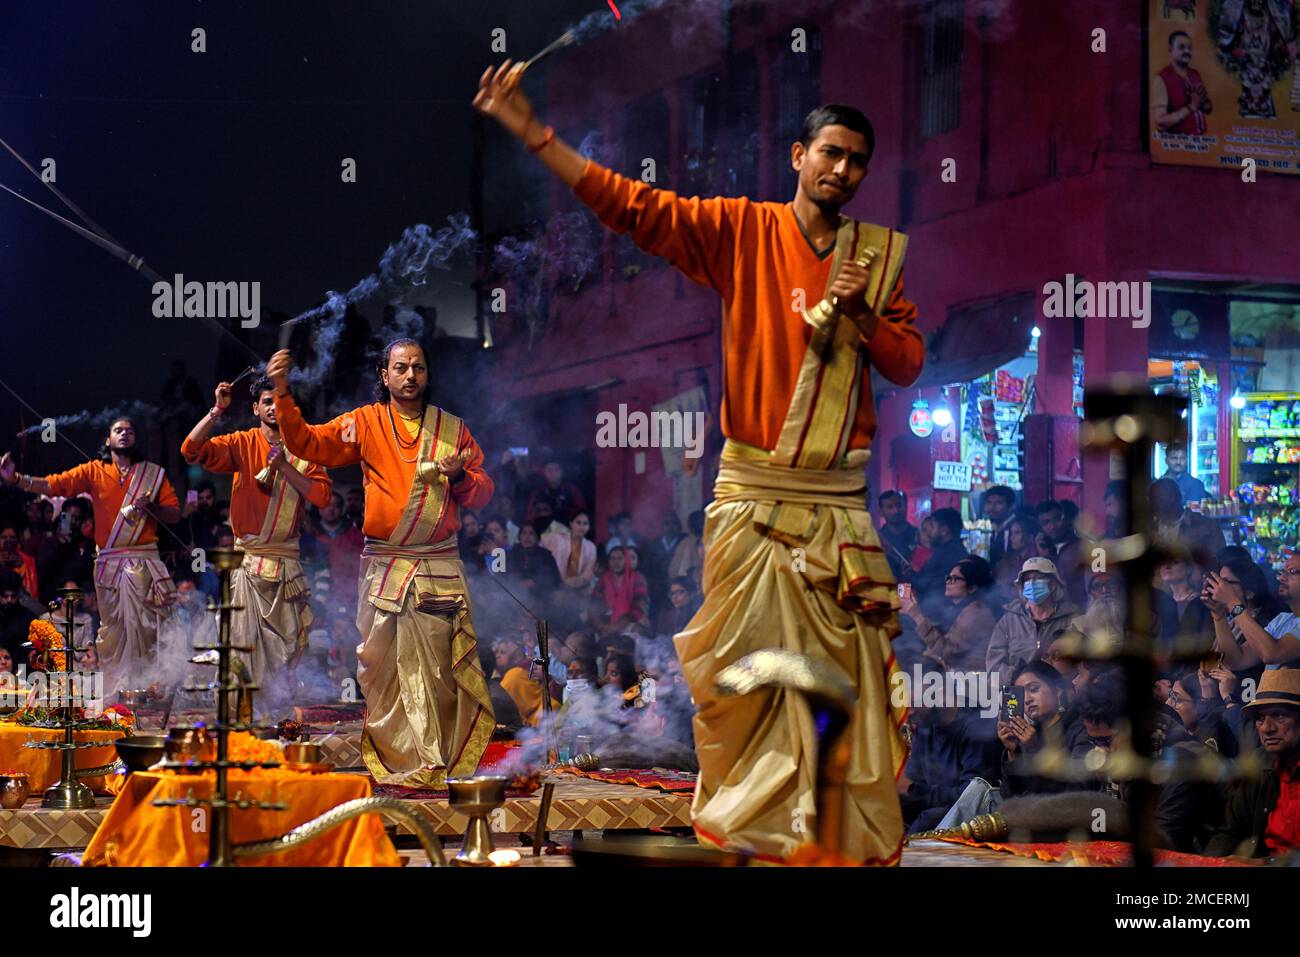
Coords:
941,48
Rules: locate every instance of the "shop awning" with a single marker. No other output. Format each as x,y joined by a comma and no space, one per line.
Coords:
971,343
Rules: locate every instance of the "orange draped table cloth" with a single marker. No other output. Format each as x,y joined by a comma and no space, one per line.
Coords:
137,834
44,765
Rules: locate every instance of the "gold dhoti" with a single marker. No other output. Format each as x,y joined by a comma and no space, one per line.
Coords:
792,561
270,589
428,713
133,590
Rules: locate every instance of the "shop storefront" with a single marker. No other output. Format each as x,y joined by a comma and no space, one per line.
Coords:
1236,357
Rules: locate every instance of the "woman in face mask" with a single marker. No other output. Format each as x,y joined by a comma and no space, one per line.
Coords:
1033,620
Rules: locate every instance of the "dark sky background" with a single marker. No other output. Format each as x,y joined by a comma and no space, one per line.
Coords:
223,165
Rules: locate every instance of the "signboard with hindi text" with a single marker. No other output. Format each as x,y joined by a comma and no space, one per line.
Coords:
952,476
1223,83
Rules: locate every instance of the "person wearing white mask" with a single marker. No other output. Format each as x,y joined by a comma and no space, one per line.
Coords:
1033,620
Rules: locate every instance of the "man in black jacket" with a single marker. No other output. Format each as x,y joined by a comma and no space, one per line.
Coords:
1186,808
1262,816
950,748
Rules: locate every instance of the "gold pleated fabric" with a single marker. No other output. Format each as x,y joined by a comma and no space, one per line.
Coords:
275,616
428,713
130,613
792,561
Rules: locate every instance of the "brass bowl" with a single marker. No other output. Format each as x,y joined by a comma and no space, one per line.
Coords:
477,795
186,745
300,752
14,790
140,752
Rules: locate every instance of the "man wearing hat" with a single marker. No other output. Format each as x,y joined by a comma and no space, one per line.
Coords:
1262,816
1033,620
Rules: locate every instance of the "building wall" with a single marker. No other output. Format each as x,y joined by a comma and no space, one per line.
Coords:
1052,178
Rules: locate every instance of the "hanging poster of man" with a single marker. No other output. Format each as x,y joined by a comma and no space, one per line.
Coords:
1224,84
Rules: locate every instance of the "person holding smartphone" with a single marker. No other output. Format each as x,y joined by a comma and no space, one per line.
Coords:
959,634
1248,628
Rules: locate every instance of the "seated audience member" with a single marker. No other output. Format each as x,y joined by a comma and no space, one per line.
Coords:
512,666
1183,620
563,497
946,550
686,560
1262,814
14,559
543,519
1105,618
1058,541
575,553
1195,699
68,553
622,534
924,539
581,679
1185,809
531,565
672,549
1046,720
950,748
621,678
1115,502
508,721
1021,533
622,593
1033,620
14,617
958,636
84,626
503,507
467,537
1250,627
683,604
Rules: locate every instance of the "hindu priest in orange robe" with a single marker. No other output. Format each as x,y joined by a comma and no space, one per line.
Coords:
428,714
812,302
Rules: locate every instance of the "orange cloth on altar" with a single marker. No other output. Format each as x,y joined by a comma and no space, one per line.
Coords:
387,471
134,833
107,488
43,766
244,454
755,255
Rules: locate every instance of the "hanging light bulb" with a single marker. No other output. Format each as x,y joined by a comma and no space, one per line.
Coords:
1035,332
1238,401
942,417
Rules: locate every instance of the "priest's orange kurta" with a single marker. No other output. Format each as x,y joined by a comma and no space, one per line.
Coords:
755,255
106,487
791,557
244,454
386,475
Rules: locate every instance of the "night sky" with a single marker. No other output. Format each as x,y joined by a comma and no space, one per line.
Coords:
223,165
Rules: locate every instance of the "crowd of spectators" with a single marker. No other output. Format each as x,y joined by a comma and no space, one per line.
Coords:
1042,619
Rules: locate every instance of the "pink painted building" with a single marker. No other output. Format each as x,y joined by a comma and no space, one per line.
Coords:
1044,143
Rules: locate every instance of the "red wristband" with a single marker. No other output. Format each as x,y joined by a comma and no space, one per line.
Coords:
547,139
217,411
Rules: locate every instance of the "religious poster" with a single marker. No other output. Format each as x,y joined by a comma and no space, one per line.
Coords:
1224,84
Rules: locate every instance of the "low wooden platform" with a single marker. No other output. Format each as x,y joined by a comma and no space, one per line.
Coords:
579,804
33,827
